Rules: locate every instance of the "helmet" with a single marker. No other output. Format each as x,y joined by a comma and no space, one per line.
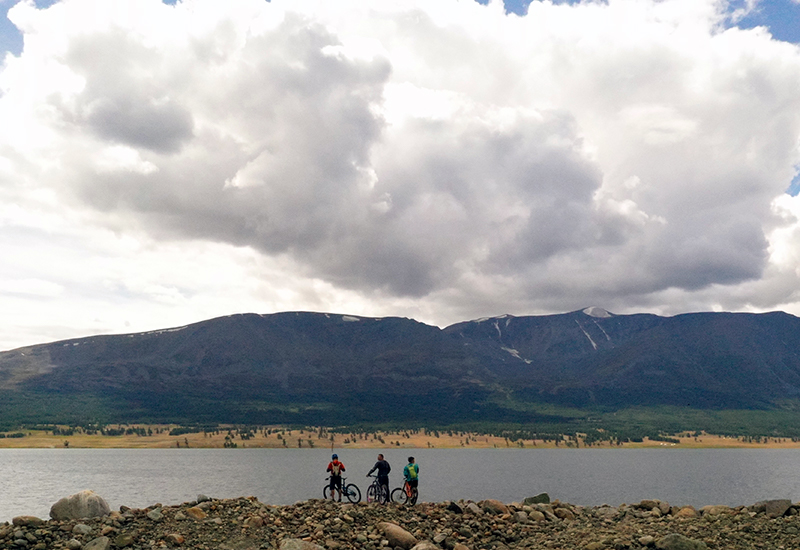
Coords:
334,457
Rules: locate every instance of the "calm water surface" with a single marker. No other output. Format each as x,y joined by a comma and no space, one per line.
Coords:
31,480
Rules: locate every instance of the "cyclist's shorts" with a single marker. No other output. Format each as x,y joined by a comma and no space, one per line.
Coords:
336,482
413,483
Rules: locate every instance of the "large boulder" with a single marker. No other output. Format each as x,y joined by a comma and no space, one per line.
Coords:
397,536
86,504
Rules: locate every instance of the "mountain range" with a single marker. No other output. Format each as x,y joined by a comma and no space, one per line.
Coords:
342,369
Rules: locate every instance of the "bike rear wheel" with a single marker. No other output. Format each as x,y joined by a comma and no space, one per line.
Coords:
383,493
399,496
414,495
372,493
353,493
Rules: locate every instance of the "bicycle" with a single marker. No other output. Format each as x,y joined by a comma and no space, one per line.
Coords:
350,491
377,492
405,494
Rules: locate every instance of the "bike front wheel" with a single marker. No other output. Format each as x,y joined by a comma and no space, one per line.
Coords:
326,492
399,496
353,493
414,495
372,494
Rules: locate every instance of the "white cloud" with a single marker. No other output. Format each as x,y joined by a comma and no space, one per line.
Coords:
438,159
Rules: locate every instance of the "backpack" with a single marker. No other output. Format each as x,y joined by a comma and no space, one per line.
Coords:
412,471
336,468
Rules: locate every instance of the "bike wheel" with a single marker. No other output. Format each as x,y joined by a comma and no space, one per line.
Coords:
384,494
414,495
371,494
353,493
326,492
399,496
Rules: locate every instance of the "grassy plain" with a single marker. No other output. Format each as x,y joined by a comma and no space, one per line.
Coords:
278,437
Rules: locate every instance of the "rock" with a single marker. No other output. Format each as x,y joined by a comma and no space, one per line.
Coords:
716,510
536,515
74,544
202,498
100,543
564,513
155,514
298,544
81,529
687,512
397,536
253,521
606,512
195,513
520,517
491,506
473,508
121,541
776,508
175,538
675,541
594,546
27,521
459,546
541,498
426,545
647,540
453,507
86,504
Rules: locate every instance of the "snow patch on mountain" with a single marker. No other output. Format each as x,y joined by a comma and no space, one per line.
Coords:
597,312
516,354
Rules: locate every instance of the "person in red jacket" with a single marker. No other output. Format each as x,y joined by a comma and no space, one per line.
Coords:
336,468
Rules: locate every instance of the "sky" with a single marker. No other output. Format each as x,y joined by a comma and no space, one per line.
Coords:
443,160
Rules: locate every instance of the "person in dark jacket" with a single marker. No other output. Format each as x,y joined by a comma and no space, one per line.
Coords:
383,476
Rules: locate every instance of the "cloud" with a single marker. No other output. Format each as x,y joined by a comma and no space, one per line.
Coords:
436,158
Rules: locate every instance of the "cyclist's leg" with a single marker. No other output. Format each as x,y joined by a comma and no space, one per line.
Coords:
385,495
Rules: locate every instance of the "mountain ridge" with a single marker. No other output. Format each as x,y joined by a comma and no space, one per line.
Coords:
356,368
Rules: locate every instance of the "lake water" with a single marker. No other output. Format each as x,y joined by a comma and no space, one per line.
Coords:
31,480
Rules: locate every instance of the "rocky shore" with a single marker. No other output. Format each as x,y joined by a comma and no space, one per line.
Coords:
247,524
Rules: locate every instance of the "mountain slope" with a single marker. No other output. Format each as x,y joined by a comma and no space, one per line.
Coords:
701,360
330,368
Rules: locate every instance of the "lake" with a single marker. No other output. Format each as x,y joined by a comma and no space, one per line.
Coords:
31,480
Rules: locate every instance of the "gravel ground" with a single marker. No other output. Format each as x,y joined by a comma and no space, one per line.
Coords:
245,524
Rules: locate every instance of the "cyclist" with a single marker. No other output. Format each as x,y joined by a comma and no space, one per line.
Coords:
411,473
383,475
336,468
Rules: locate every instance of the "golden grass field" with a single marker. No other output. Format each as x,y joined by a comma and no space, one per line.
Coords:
277,437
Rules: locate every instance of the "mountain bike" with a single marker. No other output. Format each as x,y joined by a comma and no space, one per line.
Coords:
377,492
350,491
405,494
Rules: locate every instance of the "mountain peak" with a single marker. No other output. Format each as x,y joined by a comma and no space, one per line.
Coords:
599,312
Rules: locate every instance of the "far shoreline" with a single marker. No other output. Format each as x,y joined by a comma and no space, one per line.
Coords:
141,436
